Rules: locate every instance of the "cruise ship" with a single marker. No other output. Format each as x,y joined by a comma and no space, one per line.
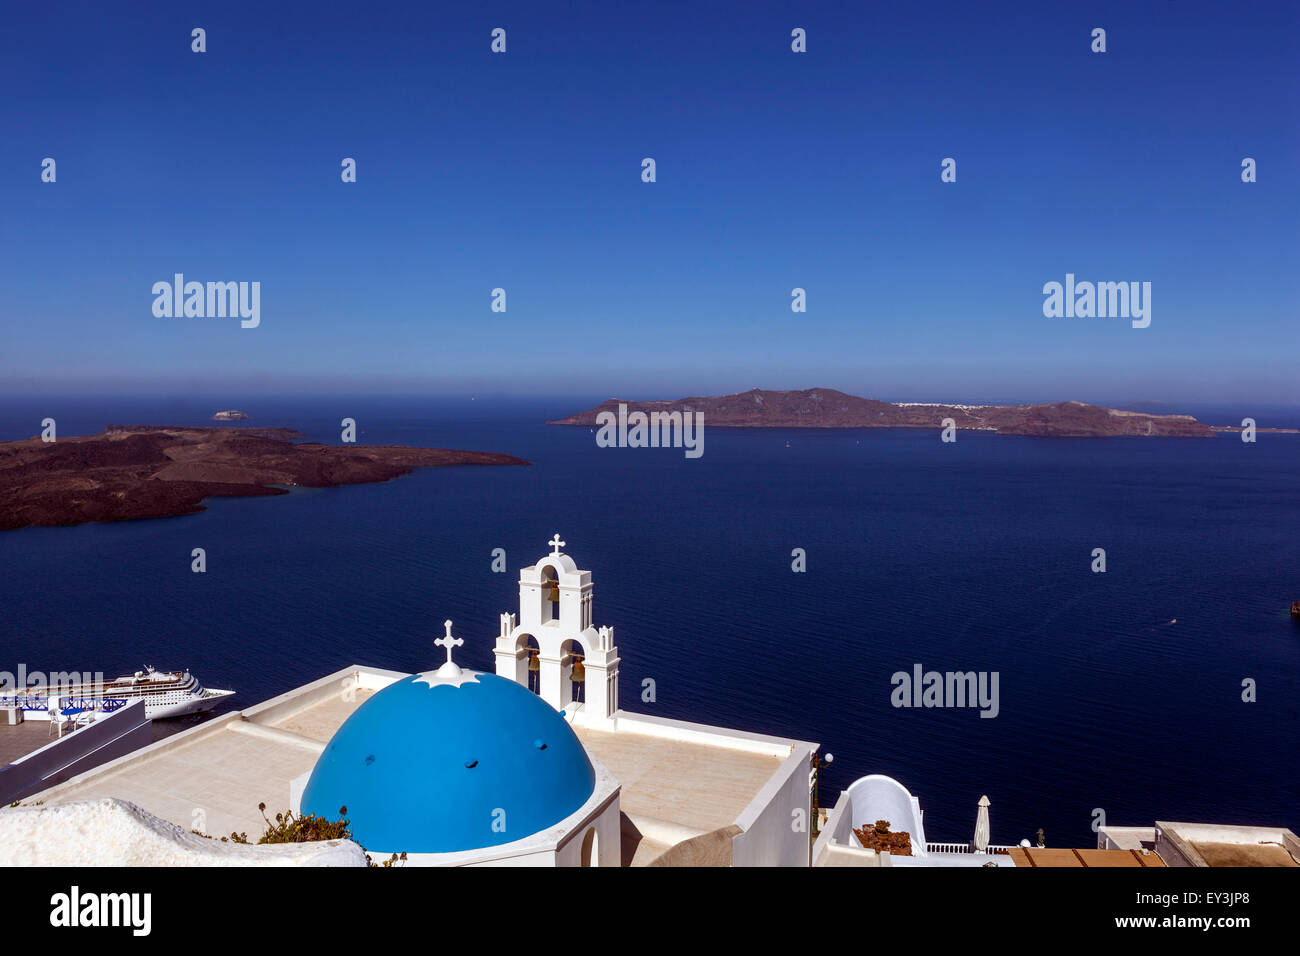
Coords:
165,693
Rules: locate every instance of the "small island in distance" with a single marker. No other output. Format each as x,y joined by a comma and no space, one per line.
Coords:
157,471
829,408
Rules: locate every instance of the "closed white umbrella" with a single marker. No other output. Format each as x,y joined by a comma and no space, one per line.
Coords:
982,826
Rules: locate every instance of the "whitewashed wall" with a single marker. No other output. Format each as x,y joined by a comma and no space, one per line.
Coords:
771,837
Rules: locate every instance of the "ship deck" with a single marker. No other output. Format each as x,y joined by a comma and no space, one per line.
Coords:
110,688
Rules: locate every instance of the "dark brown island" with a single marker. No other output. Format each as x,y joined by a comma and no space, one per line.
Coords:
156,471
828,408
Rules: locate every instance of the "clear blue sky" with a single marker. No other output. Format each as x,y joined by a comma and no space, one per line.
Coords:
775,170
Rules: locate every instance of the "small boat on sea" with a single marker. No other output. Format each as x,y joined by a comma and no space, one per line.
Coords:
165,694
1295,609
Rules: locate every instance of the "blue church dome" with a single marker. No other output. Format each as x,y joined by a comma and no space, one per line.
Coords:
430,765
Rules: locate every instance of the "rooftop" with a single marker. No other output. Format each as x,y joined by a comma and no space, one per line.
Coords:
1035,857
213,776
1215,844
678,780
695,785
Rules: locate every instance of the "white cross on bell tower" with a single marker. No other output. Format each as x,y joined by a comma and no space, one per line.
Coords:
556,544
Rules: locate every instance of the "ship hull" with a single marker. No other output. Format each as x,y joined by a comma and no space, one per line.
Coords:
162,711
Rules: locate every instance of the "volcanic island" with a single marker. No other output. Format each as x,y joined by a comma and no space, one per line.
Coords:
829,408
158,471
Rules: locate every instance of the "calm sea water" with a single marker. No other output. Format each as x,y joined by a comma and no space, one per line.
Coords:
973,556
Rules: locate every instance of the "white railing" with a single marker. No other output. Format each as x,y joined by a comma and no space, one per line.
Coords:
963,848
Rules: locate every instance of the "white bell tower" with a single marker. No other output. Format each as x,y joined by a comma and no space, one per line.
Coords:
555,611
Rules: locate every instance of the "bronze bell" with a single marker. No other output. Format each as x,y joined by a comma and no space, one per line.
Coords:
533,663
555,592
579,672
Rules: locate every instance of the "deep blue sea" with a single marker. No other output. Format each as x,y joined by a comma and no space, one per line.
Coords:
967,556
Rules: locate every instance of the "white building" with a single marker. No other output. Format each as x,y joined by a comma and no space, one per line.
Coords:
878,797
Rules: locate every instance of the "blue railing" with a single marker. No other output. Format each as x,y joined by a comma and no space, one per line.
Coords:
104,705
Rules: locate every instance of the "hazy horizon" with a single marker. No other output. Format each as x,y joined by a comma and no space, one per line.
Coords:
962,389
201,400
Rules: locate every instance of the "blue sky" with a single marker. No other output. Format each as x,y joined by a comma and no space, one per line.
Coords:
775,170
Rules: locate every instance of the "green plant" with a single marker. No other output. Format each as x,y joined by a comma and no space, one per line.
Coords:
308,828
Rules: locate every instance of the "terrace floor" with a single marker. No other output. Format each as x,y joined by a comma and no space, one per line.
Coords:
692,785
18,740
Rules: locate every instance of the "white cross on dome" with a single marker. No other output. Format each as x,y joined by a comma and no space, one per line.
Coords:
449,642
556,544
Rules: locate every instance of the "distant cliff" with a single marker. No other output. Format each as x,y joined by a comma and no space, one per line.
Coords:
828,408
155,471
